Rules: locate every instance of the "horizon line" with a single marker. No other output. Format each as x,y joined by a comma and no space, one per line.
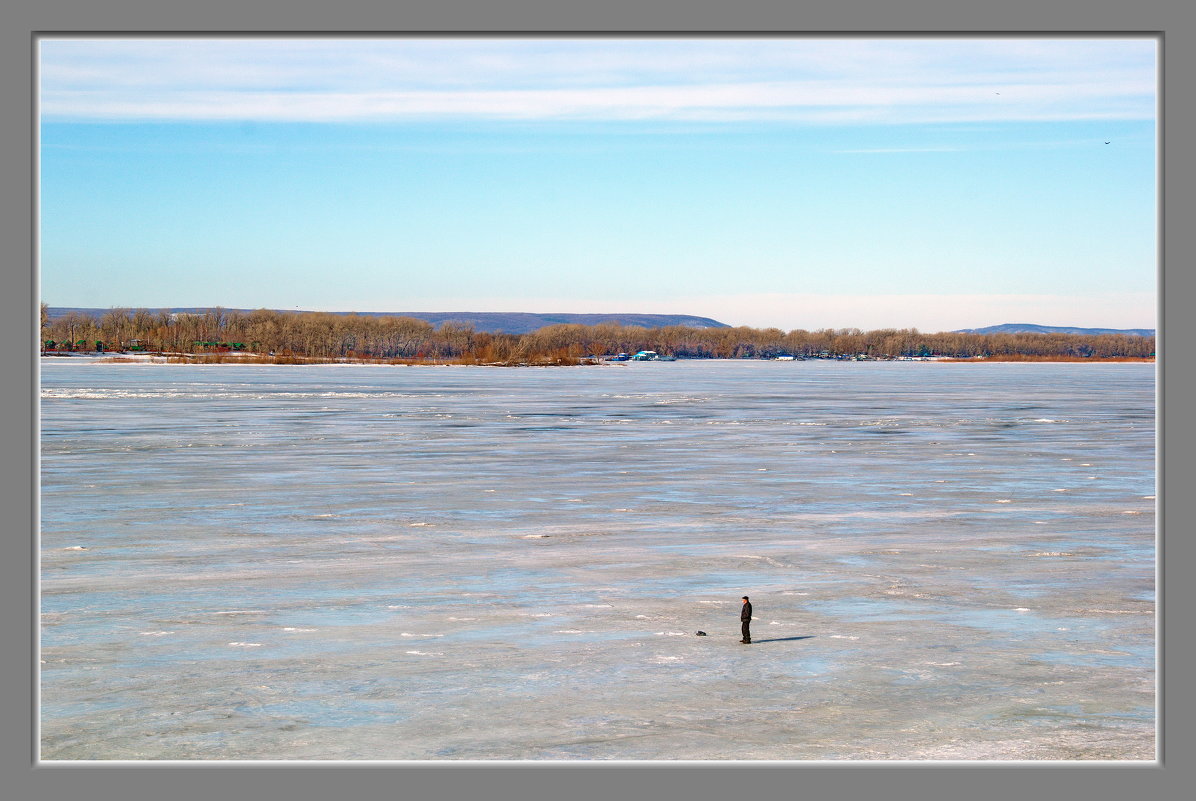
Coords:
415,314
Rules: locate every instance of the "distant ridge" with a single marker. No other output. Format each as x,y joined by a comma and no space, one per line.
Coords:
492,322
1031,328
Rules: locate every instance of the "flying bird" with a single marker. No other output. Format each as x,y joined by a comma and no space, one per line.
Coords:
1106,143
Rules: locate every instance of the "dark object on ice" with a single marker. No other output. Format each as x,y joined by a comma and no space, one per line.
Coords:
701,634
745,619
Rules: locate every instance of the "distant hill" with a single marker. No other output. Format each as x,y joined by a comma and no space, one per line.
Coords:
1031,328
493,322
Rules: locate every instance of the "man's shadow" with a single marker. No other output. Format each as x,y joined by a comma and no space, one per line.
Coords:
785,639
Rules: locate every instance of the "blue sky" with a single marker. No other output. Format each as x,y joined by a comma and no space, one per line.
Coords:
797,183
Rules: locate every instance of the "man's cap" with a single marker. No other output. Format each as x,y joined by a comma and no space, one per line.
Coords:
745,597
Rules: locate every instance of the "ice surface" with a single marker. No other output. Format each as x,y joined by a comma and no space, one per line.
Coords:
361,562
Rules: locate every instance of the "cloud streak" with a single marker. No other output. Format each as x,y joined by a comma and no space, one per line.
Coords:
812,81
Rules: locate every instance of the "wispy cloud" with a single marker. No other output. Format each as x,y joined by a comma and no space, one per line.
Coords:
802,80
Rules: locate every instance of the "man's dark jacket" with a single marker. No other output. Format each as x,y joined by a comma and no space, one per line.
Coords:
746,613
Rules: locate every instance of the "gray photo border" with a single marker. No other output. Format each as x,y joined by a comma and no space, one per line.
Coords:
25,779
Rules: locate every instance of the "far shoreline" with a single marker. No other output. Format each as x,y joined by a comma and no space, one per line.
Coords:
252,359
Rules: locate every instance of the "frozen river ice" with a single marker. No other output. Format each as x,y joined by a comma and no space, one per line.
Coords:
350,562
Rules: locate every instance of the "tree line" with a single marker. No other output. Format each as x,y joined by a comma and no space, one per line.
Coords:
323,335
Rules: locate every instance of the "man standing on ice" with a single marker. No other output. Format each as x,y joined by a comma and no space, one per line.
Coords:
745,619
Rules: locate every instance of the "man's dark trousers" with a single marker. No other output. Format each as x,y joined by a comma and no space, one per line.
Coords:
747,635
